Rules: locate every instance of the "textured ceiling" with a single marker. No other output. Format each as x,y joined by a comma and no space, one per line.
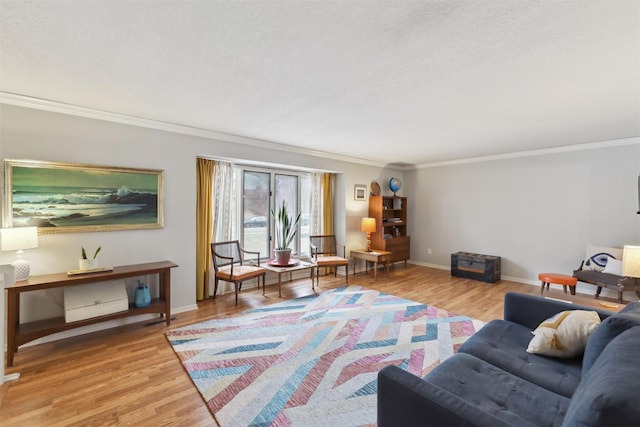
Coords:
409,82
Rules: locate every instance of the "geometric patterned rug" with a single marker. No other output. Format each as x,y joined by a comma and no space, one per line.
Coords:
313,361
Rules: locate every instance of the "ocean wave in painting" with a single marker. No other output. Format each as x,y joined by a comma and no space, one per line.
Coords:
81,206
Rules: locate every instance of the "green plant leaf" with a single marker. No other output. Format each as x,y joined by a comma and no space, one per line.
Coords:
285,227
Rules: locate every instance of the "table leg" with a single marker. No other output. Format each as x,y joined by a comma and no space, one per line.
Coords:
375,271
547,285
13,318
279,285
165,283
312,281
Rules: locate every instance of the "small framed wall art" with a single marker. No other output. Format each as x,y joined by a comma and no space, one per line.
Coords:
70,197
360,192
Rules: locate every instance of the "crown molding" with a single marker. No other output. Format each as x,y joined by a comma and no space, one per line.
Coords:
533,153
74,110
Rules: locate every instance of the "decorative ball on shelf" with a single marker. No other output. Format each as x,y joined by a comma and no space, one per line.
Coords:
394,185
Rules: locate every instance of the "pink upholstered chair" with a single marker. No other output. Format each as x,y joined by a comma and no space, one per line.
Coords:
324,252
231,266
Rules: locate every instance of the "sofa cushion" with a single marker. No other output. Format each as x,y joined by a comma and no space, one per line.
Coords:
565,334
608,393
507,397
503,344
610,328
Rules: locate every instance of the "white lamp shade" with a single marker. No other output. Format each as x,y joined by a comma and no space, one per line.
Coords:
631,261
14,239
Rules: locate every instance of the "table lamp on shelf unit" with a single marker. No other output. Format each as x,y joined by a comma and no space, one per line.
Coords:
368,225
17,239
631,261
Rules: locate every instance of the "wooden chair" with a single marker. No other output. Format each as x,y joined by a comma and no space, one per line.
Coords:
230,265
324,252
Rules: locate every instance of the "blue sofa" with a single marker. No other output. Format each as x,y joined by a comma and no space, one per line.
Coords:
492,381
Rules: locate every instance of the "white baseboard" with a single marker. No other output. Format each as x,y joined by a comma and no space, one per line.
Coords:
448,268
582,288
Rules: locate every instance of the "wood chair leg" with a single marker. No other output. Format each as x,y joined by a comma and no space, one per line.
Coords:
215,287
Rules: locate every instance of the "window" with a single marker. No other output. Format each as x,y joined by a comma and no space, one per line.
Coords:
260,191
256,188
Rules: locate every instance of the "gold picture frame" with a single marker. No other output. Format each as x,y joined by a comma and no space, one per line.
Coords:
73,197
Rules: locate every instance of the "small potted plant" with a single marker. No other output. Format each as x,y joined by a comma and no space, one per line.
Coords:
87,263
286,229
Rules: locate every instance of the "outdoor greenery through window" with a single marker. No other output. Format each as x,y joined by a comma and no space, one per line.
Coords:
262,190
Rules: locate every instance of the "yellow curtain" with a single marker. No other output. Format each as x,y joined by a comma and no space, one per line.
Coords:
204,225
327,203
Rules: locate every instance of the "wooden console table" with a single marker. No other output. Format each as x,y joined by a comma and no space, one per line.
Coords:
21,333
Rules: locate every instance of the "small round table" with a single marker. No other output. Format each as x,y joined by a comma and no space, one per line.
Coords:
558,279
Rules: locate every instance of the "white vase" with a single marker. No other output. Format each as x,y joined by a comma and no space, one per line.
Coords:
282,256
88,264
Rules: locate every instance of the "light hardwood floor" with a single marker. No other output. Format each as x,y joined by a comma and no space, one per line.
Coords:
131,376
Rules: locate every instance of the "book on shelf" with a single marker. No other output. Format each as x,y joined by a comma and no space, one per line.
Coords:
392,220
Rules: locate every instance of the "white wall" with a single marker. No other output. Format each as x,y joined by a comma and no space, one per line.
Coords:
538,212
41,135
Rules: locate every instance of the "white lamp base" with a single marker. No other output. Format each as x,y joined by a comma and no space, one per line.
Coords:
22,267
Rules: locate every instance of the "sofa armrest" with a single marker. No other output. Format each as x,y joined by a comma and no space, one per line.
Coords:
407,400
530,310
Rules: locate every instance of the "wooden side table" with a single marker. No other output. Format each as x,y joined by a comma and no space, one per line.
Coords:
375,256
297,266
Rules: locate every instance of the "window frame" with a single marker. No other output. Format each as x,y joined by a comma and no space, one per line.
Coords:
302,178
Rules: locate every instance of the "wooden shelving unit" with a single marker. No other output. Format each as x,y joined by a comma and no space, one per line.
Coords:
390,213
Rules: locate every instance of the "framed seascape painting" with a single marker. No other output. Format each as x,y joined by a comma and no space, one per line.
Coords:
70,197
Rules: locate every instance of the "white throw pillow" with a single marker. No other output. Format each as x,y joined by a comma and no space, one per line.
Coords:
613,266
598,256
565,334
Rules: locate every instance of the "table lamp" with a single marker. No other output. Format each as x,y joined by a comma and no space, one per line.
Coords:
17,239
631,261
368,225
